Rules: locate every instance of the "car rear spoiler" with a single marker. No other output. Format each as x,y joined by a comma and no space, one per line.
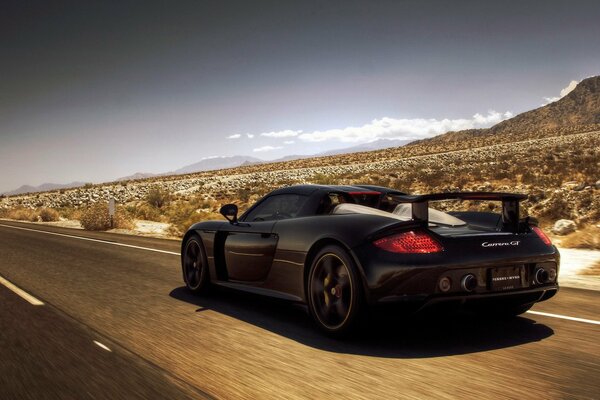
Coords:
510,204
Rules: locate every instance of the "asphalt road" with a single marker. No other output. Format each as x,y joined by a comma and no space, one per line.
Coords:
166,343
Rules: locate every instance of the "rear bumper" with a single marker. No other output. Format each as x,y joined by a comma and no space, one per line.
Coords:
422,284
514,297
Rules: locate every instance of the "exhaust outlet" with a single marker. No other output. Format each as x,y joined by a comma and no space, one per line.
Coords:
541,276
468,283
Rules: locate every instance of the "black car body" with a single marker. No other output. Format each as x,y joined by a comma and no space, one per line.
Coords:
341,249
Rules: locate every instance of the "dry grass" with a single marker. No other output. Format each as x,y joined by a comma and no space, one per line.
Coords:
22,214
49,215
97,218
593,270
585,238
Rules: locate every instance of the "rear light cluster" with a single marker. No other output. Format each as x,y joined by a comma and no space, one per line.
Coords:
538,231
409,242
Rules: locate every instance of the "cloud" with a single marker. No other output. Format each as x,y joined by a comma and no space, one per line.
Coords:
250,136
568,89
563,92
266,148
281,134
392,128
236,136
289,142
550,100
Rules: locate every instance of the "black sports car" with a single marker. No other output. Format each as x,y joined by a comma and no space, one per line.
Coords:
340,249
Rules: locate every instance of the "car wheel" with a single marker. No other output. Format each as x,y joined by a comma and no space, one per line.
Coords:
194,265
334,291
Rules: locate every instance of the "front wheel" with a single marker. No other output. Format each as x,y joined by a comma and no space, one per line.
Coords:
334,291
194,265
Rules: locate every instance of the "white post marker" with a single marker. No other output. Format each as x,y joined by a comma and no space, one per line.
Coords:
111,211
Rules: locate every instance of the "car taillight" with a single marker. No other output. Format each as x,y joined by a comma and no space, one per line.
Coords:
538,231
409,242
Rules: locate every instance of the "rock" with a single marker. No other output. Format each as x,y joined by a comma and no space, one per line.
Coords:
564,227
580,187
570,185
597,184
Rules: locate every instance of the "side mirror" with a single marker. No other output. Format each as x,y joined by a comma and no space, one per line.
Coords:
230,211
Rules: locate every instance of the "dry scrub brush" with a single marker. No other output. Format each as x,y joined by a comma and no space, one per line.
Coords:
97,218
585,238
49,215
22,214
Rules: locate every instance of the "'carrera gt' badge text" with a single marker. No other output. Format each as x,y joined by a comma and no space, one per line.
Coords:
500,244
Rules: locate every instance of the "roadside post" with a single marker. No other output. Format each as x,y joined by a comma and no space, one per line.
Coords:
111,211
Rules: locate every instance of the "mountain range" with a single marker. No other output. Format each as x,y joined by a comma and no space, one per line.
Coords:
579,108
43,188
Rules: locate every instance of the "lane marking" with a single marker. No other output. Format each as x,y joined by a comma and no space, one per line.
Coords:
32,300
93,240
587,321
102,346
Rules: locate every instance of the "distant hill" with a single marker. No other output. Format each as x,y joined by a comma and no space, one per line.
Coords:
580,107
577,111
137,175
45,187
211,163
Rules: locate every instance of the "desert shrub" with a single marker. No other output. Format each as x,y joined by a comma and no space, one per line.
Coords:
593,270
97,218
554,208
49,215
88,186
158,197
322,179
22,214
585,238
145,211
185,214
70,213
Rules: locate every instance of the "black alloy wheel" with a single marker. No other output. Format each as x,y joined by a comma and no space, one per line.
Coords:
195,273
334,291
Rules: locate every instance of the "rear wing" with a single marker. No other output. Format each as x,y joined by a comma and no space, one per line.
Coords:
510,204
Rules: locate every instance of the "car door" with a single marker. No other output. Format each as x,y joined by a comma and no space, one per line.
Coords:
250,245
249,250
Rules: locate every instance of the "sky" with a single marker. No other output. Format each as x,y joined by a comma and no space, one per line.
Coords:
91,91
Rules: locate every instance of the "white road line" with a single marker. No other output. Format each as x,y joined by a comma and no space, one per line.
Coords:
21,292
102,346
93,240
587,321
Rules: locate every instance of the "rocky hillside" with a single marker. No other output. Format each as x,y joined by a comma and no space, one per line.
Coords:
580,107
578,111
557,164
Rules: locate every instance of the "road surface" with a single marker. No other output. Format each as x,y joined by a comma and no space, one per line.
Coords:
116,321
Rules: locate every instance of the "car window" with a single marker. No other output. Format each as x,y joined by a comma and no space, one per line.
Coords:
329,201
281,206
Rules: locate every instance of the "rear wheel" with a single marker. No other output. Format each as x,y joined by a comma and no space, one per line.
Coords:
334,291
195,268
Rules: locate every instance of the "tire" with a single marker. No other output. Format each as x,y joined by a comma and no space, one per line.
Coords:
194,265
334,291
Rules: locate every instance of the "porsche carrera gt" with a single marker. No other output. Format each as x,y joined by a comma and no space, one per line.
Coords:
343,249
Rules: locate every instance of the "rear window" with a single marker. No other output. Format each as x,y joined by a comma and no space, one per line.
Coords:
369,199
